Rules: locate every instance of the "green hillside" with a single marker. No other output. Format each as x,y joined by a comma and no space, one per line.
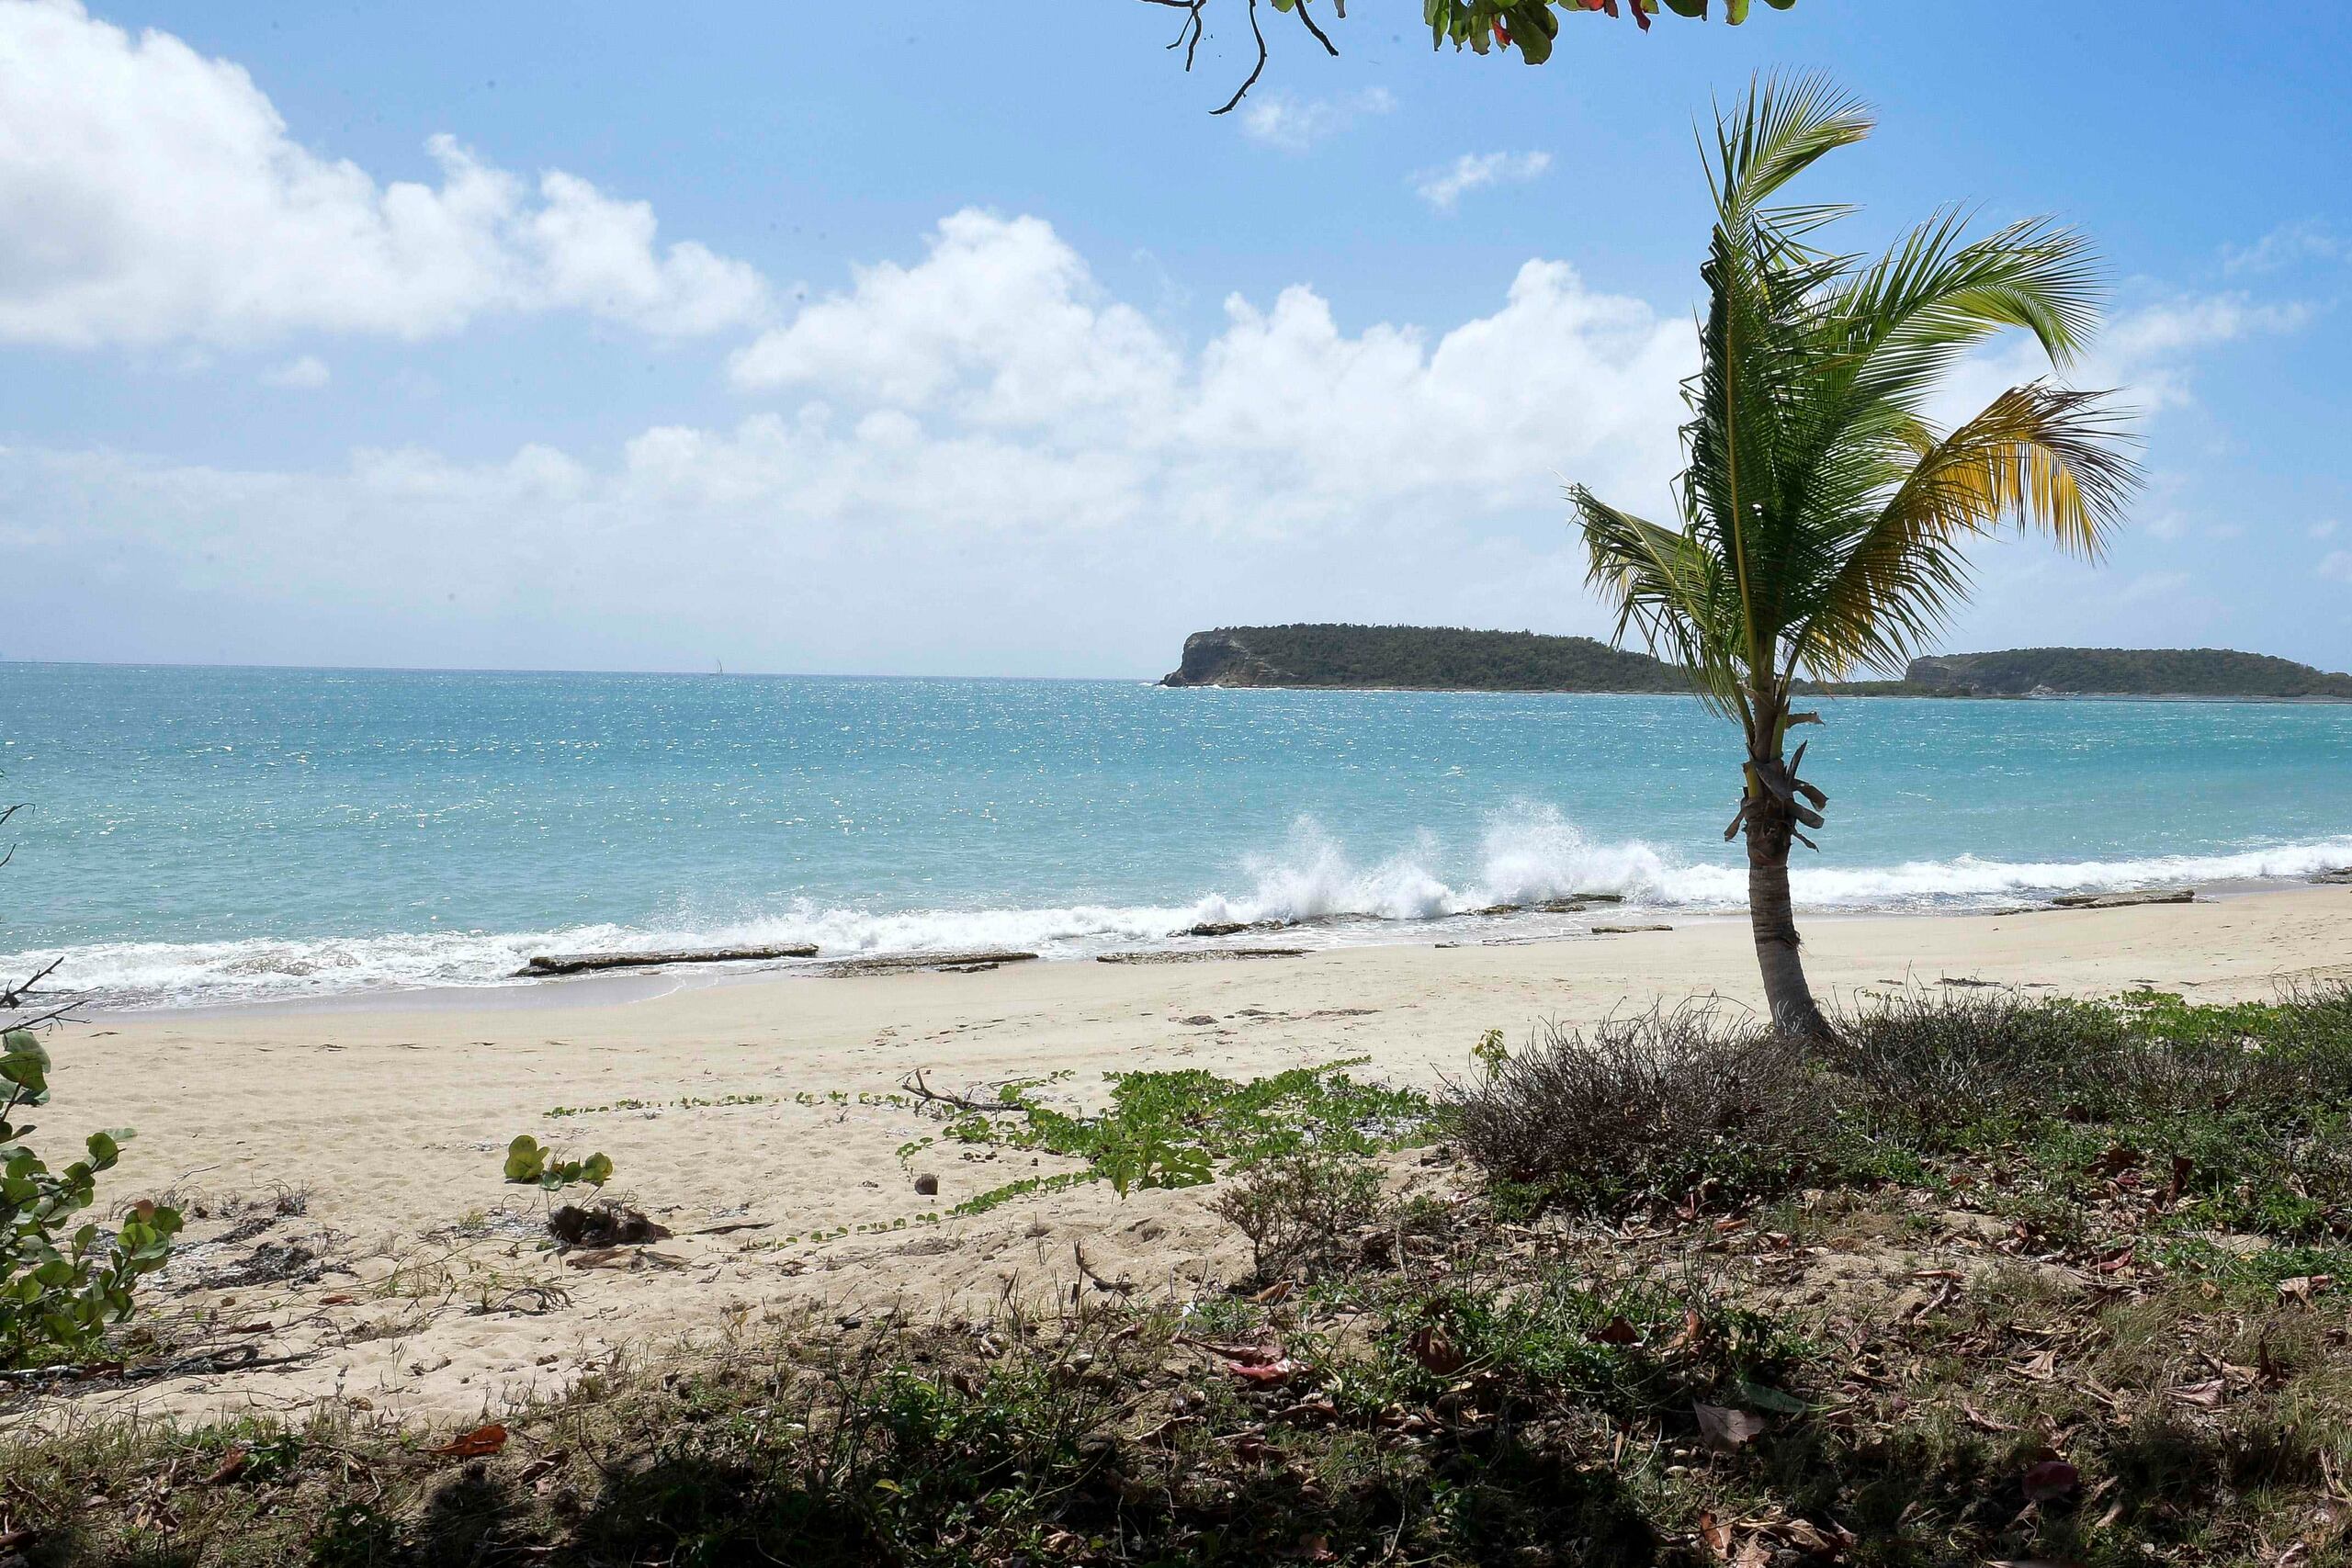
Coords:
1425,657
2122,672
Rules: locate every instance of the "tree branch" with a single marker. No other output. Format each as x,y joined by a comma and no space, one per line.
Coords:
913,1084
1328,47
1256,70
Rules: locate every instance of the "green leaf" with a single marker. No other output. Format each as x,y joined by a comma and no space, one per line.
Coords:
1760,1397
525,1161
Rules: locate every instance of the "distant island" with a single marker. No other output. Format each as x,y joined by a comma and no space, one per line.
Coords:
2122,673
1450,658
1437,659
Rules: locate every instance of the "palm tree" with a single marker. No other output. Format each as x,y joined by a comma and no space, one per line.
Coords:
1826,518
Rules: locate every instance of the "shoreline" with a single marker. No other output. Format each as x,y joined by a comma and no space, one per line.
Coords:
627,987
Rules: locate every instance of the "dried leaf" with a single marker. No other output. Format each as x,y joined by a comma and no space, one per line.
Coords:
1432,1348
1617,1331
1717,1536
477,1444
2204,1396
1726,1430
2051,1478
232,1465
1809,1537
1263,1373
2303,1287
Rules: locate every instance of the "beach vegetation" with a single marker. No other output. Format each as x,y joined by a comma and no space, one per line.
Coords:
1824,518
2235,1118
1170,1129
1300,1208
1999,1322
530,1163
63,1281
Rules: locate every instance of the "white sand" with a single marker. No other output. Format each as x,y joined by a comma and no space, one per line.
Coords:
390,1117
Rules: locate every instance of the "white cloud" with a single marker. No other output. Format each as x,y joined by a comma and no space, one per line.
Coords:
1001,319
2336,567
2144,354
2186,323
1293,124
151,195
302,374
1443,189
2285,247
977,450
1002,333
2323,529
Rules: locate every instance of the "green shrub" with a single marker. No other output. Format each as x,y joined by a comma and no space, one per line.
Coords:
1681,1106
60,1289
1299,1208
531,1163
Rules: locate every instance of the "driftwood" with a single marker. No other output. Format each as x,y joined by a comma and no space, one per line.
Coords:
913,1084
1626,931
2124,900
580,963
2341,873
899,963
1199,955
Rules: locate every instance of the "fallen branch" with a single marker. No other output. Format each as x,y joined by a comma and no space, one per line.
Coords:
913,1084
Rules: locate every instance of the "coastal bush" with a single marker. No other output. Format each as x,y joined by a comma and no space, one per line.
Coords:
2235,1116
1298,1209
1944,1069
61,1289
1690,1106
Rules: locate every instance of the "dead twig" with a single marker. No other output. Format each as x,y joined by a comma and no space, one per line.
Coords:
913,1084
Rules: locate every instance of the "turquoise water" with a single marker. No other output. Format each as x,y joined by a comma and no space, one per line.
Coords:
222,834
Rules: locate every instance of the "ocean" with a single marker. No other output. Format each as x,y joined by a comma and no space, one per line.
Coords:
218,835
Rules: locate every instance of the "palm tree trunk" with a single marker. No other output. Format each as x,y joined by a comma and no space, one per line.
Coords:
1773,919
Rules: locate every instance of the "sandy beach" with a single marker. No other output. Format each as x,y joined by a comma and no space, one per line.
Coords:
357,1146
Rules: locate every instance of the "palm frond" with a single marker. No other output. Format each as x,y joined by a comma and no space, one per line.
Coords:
1663,584
1783,126
2049,459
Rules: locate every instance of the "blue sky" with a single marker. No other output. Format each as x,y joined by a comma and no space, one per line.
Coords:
633,336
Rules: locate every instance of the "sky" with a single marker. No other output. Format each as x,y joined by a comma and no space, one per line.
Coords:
630,336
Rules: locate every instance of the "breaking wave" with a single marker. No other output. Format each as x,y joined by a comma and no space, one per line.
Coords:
1526,855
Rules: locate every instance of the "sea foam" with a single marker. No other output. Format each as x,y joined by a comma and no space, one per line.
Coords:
1325,891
